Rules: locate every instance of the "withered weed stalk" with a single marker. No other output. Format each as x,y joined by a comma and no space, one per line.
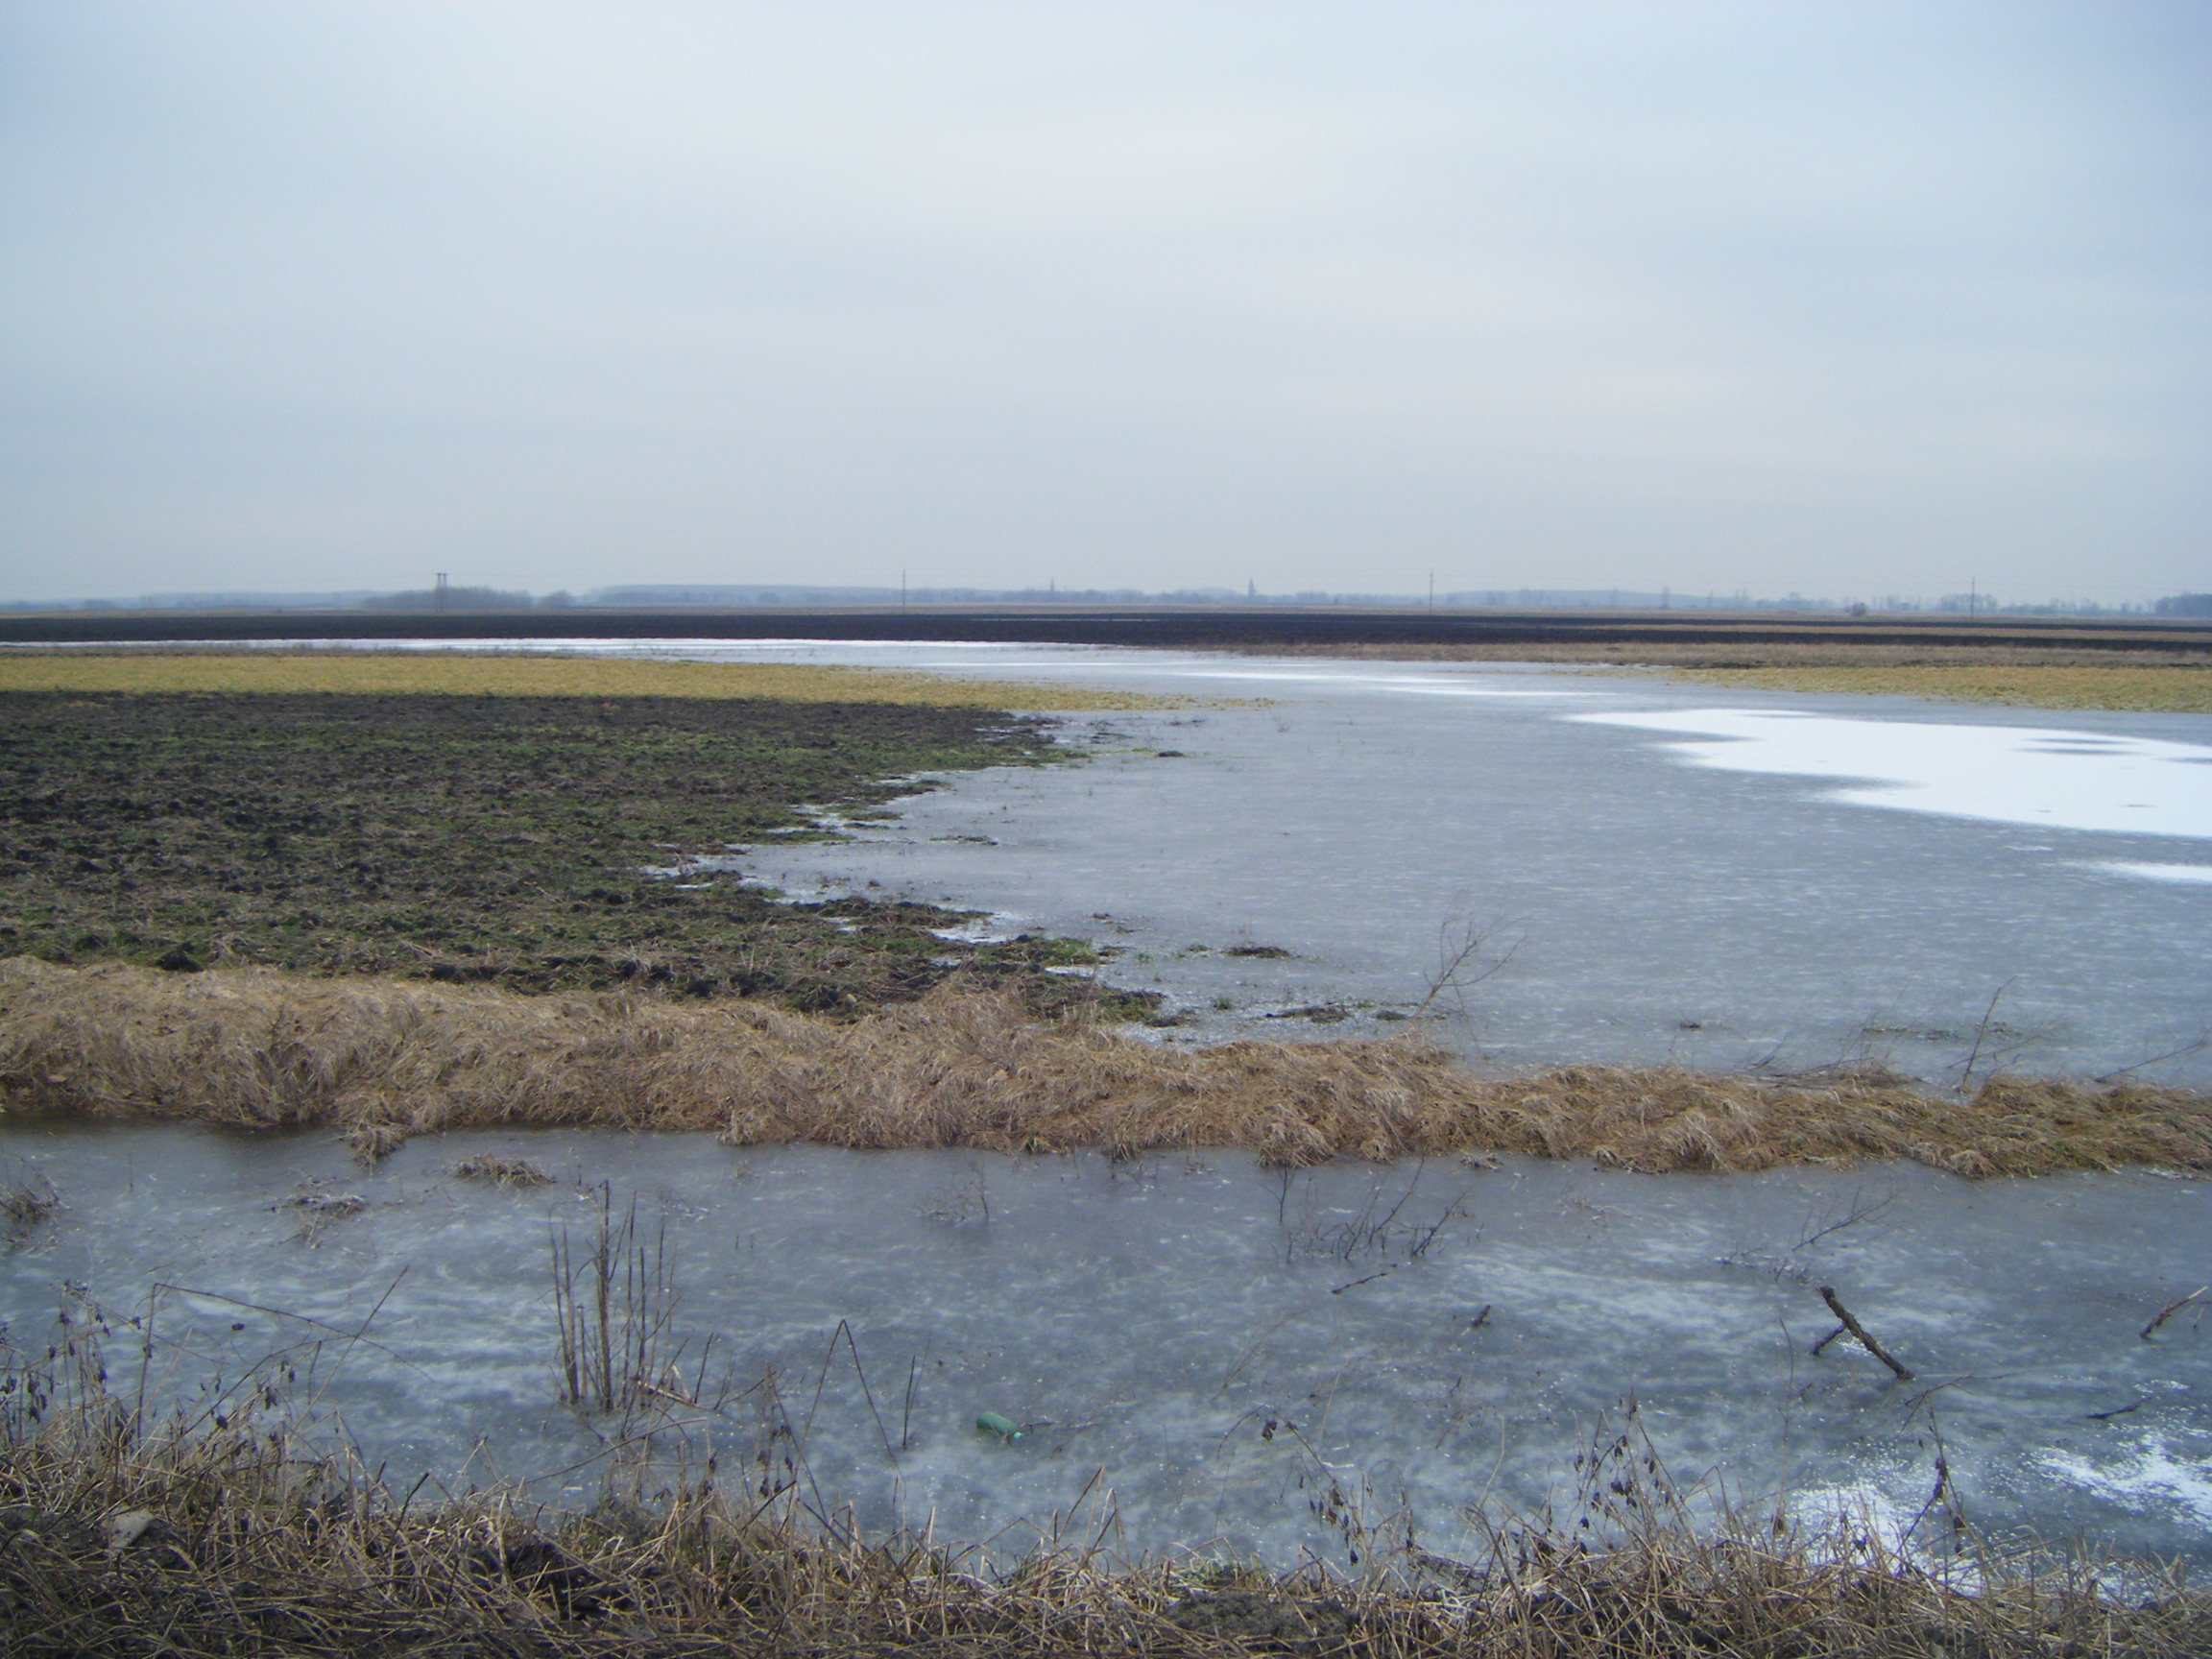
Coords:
1389,1227
615,1309
1467,953
216,1532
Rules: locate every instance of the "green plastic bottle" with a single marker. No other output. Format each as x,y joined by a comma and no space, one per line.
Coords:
999,1423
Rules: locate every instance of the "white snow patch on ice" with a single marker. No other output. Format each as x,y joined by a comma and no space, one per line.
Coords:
2149,1480
2157,871
2045,777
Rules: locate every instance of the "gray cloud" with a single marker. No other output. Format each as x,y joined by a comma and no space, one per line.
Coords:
1846,299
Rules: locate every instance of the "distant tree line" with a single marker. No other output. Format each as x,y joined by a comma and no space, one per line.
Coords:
464,599
451,597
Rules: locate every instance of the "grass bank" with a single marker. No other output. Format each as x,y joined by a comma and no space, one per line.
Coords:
475,838
208,1534
2026,677
2168,688
964,1066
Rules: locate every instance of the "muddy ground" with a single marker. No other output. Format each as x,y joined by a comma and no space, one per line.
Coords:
490,839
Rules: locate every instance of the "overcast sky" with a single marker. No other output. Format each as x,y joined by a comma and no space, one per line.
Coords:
1847,299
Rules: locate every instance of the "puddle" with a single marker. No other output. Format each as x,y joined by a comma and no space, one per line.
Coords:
1218,1345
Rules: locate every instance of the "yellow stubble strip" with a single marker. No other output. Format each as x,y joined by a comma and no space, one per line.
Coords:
519,674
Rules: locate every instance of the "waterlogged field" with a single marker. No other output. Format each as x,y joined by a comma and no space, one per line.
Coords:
526,840
1297,1314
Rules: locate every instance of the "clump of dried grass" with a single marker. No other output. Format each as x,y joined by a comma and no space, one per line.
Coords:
318,1209
372,1142
28,1199
501,1171
967,1068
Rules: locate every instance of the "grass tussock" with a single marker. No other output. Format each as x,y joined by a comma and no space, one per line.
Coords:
964,1067
526,674
501,1171
120,1539
27,1198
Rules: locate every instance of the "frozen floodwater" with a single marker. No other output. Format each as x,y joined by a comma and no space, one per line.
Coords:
1646,871
1637,869
1219,1355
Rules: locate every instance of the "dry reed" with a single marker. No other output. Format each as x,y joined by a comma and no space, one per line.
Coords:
521,674
120,1538
967,1068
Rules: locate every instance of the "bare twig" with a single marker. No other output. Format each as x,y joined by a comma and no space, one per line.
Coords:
1859,1331
2118,1410
1858,1211
2173,1307
2196,1046
1457,942
1981,1032
1340,1289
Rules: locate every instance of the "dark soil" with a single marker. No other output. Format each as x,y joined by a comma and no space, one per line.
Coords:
495,839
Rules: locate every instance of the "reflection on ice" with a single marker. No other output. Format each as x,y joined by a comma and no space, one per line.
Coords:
1346,680
2003,773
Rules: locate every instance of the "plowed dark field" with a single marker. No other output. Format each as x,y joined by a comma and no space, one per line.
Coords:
495,839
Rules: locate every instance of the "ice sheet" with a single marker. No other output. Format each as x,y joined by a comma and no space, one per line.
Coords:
1217,1342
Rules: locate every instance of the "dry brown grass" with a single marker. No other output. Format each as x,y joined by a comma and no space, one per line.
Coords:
964,1068
501,1171
1842,651
2026,677
120,1540
2154,687
517,674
